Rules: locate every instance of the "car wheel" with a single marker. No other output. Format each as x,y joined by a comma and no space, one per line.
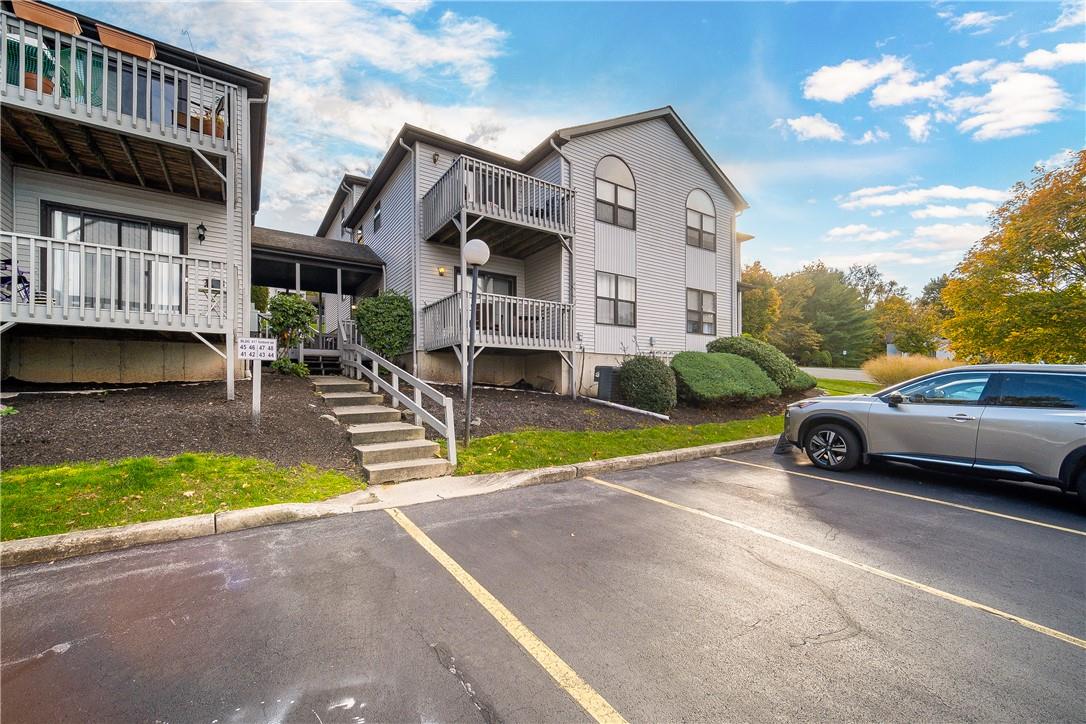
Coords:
832,447
1080,488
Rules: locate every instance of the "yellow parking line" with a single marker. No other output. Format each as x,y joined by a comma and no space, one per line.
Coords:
1032,625
936,501
596,706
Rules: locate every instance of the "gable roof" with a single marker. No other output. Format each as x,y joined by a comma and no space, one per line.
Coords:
348,179
409,134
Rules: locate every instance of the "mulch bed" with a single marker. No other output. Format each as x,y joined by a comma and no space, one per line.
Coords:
508,410
170,419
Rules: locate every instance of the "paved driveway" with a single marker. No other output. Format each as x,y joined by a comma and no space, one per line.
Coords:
720,589
838,373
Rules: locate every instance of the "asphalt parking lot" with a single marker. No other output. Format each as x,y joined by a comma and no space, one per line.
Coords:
750,588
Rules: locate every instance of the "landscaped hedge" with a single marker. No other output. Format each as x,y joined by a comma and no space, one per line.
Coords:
773,362
706,378
647,384
385,323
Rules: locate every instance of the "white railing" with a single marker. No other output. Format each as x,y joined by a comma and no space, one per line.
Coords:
53,281
83,78
497,192
358,361
501,321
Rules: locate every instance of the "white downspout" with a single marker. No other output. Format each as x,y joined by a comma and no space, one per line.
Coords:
415,242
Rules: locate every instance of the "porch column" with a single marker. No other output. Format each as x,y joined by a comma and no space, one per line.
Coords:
339,297
464,302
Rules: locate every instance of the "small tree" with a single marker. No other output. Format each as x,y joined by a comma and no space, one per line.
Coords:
762,303
291,317
385,322
259,297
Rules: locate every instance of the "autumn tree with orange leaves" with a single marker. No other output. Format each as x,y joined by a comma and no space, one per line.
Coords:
1020,293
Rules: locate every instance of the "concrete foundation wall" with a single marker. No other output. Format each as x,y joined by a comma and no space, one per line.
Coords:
59,359
542,370
586,369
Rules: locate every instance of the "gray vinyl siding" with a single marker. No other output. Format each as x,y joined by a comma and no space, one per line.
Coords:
7,213
665,173
550,169
548,274
395,240
33,186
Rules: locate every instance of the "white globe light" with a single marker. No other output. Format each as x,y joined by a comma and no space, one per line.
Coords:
476,252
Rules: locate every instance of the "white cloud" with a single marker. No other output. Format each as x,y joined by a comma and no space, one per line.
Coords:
1072,14
891,196
877,213
976,22
970,72
1012,106
883,258
905,87
1057,160
872,136
1064,54
945,237
859,232
808,128
931,211
838,82
919,126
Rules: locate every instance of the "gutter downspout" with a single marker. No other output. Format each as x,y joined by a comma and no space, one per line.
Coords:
415,241
574,379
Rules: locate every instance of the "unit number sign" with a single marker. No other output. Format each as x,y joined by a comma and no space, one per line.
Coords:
256,348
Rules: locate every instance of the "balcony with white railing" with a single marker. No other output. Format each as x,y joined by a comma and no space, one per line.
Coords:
80,79
518,210
500,321
53,281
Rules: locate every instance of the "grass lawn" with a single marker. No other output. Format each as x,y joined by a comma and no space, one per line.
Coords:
848,387
541,448
41,500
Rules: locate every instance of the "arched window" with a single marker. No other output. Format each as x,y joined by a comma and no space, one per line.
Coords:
700,220
615,192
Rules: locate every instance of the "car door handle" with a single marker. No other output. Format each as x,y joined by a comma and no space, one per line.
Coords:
961,417
1081,423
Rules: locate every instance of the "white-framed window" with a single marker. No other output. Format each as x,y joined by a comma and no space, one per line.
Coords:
616,194
616,299
376,217
700,220
700,312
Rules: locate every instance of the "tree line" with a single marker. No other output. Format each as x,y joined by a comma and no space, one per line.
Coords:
1018,295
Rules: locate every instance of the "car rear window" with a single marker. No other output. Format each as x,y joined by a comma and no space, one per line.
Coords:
1043,390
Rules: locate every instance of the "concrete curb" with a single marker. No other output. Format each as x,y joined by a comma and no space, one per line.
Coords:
79,543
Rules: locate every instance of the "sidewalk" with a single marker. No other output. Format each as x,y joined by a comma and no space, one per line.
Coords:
838,373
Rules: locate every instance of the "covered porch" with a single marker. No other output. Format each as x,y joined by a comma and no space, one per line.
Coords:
332,273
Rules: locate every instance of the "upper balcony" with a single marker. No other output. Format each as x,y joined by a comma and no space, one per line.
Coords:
78,79
517,213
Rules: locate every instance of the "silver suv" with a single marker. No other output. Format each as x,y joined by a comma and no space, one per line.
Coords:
1019,422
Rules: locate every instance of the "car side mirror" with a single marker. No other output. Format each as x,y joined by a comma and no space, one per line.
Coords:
894,399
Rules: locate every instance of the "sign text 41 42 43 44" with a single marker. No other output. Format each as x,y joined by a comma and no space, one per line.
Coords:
256,349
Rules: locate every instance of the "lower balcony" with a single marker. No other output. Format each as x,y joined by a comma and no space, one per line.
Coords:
500,321
53,281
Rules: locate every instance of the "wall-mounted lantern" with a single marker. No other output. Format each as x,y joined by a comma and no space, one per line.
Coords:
201,232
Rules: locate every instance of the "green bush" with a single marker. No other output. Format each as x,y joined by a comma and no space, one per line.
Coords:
285,366
710,377
773,362
647,384
384,322
259,297
291,318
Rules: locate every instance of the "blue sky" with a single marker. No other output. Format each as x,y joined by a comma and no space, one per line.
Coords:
859,132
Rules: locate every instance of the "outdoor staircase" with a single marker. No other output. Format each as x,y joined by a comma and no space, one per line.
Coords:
390,449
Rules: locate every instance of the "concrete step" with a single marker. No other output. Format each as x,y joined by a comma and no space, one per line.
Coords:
388,452
350,399
366,413
376,432
395,472
338,383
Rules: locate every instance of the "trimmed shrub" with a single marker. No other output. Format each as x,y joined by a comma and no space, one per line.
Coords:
285,366
888,370
384,321
773,362
648,384
705,378
291,317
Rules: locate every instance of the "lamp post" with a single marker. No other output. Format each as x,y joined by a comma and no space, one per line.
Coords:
476,253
